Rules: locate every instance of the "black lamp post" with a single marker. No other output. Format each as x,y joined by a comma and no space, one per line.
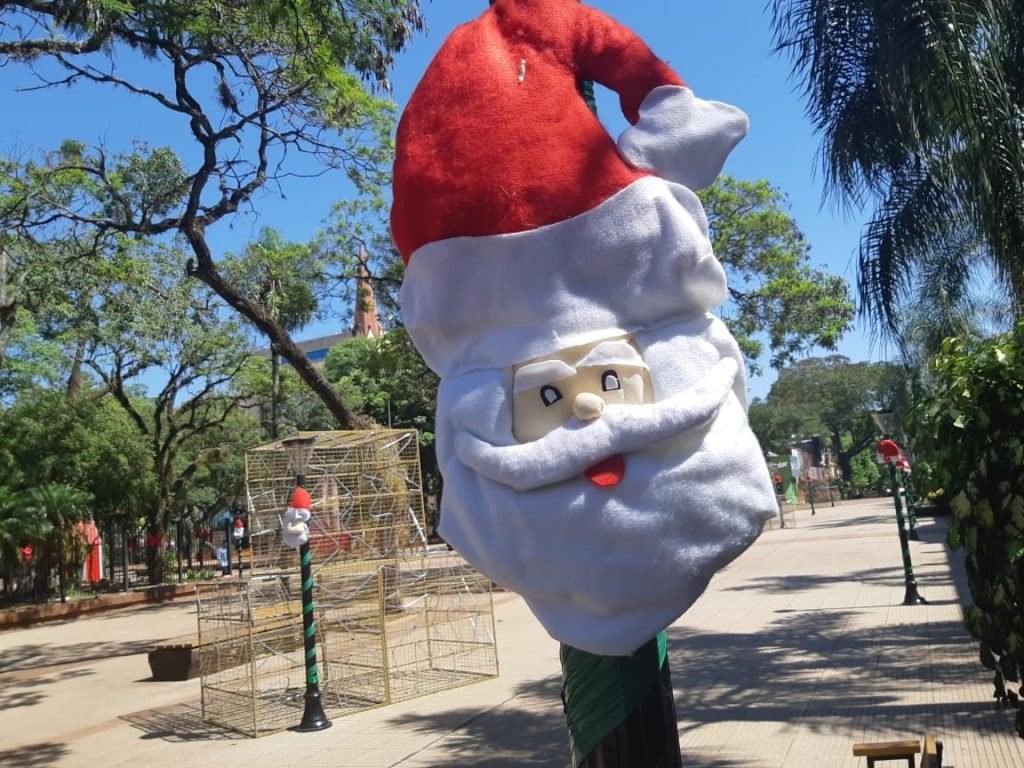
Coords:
886,423
889,454
299,450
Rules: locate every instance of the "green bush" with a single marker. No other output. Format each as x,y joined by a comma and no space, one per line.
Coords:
972,431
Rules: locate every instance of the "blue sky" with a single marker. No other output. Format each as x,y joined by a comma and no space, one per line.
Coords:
721,49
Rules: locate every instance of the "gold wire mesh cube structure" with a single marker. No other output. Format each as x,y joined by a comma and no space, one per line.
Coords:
395,617
366,492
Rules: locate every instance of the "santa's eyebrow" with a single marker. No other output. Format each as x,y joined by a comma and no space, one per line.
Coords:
612,353
538,374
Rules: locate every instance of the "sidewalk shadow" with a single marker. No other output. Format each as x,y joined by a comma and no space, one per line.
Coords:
39,656
532,734
823,519
42,755
789,583
27,689
179,723
811,668
528,730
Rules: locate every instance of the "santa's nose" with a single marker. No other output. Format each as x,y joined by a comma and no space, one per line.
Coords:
587,406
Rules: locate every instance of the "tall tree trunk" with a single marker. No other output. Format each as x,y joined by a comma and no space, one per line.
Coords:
8,308
845,466
75,377
205,269
156,528
154,554
61,567
275,390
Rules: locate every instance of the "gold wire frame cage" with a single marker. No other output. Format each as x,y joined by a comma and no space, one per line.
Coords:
396,618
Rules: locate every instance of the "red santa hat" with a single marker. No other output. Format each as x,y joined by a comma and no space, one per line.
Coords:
501,169
301,500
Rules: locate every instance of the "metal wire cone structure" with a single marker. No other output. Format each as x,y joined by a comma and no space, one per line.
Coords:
395,618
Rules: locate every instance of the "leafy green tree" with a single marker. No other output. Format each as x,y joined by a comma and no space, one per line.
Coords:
299,409
264,90
774,291
61,506
159,324
918,105
865,474
8,302
841,395
971,428
281,278
220,484
393,386
777,425
19,526
89,443
45,278
949,302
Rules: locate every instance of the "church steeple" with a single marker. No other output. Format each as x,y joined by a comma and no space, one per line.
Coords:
367,321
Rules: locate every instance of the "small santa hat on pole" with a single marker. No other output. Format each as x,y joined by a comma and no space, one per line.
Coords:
888,452
295,530
512,202
301,499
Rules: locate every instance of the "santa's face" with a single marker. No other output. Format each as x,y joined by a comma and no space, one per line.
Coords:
606,507
580,383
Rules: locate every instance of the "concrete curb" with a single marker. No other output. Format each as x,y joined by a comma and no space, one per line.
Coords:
34,614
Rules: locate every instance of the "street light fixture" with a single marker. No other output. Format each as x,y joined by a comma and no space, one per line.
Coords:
300,450
885,421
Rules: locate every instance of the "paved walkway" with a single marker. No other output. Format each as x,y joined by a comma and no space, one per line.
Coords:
800,648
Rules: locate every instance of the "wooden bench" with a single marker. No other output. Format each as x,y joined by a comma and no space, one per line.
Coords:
932,755
875,751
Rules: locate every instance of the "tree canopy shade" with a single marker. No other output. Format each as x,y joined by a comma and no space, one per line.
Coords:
919,106
261,89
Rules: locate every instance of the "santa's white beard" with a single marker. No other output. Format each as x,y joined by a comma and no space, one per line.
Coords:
606,568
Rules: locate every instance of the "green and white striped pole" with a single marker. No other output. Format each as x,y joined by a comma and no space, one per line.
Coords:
313,717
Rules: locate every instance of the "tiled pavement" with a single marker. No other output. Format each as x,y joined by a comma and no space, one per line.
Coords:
798,649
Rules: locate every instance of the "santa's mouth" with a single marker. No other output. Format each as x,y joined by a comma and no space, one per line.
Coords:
607,473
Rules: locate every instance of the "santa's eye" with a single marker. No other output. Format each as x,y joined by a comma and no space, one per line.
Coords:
610,381
550,395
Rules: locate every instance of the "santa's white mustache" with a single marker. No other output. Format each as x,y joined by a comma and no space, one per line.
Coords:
570,450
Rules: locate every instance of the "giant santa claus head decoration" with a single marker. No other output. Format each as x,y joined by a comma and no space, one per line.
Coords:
591,424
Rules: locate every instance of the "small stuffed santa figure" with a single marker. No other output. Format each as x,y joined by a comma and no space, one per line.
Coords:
591,424
295,526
